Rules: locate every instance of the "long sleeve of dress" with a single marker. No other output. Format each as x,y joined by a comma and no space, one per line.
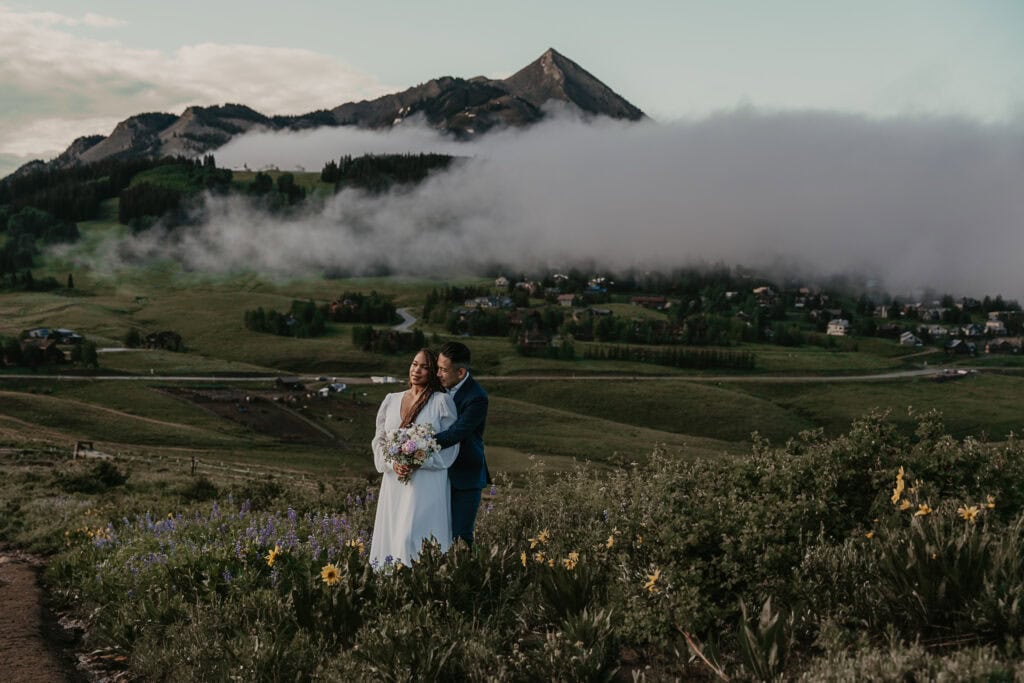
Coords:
378,451
444,458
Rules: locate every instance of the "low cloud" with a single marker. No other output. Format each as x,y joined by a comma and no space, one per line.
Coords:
913,203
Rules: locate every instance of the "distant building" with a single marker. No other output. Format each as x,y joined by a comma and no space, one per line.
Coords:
995,327
838,327
909,339
1004,345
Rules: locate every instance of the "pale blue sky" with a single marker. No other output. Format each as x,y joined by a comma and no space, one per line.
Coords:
70,68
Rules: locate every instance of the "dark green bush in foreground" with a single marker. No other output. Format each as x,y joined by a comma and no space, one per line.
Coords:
867,557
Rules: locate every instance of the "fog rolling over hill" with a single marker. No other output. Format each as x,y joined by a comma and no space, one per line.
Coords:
915,203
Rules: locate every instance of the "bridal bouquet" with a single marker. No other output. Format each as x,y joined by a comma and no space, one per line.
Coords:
409,446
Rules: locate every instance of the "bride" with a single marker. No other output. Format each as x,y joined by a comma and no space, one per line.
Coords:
409,513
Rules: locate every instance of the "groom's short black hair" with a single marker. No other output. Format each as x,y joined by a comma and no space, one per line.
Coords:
456,352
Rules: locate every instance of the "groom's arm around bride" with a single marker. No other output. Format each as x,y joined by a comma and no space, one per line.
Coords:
468,475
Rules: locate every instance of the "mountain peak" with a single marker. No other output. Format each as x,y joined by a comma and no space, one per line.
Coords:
553,76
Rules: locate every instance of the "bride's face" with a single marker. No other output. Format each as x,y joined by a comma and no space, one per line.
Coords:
419,371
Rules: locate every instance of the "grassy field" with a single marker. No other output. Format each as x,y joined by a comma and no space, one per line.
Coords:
558,417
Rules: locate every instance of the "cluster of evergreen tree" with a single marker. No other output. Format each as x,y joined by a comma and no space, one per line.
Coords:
389,342
276,196
356,307
144,203
690,358
27,231
74,193
380,172
304,319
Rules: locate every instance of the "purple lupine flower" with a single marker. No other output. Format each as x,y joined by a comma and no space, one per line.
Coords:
493,490
292,515
227,576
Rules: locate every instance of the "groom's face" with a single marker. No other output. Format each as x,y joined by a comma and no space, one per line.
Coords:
449,376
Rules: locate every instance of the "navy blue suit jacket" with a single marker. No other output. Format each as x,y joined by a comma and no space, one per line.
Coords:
469,471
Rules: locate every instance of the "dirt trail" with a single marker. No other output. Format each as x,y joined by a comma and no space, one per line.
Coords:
26,654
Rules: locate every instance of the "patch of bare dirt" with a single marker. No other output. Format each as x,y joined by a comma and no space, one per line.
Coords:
33,646
277,415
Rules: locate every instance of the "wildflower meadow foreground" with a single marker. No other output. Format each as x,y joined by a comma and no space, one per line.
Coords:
872,556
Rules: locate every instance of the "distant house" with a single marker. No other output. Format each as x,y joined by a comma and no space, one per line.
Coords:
566,300
909,339
65,336
960,347
1004,345
838,327
972,330
995,327
38,333
44,350
501,281
937,330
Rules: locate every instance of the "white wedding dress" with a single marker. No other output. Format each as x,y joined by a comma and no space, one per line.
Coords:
409,513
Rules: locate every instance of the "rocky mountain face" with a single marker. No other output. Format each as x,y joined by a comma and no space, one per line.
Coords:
464,108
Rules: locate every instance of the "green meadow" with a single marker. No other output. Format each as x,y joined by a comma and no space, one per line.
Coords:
825,515
583,409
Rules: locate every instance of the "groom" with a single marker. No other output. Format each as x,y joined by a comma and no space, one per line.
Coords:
468,474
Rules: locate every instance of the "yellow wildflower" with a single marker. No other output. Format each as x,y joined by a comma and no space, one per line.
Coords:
330,574
611,542
539,557
991,502
922,510
544,536
272,555
639,540
522,557
170,515
652,581
969,513
904,504
870,534
551,562
356,543
571,561
898,491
